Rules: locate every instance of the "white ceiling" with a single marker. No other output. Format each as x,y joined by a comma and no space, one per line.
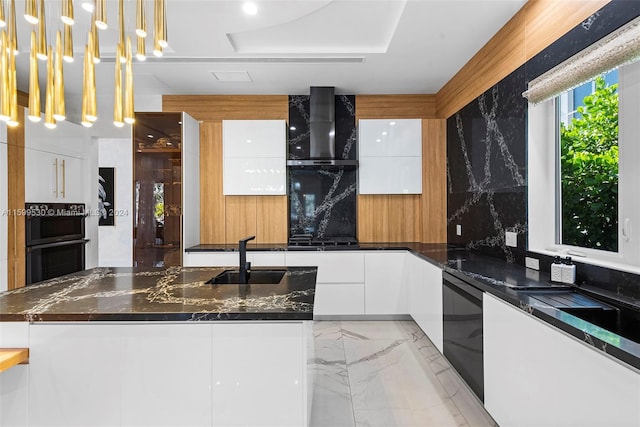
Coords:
358,46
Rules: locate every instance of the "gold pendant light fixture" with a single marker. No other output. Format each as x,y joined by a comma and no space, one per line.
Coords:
129,115
59,110
118,117
5,104
13,32
67,12
13,88
67,52
92,105
141,51
49,121
3,20
34,84
95,44
141,19
42,35
121,56
101,14
31,11
56,56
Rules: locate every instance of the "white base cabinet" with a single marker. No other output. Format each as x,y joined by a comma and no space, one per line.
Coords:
232,259
385,291
536,375
157,374
424,283
340,287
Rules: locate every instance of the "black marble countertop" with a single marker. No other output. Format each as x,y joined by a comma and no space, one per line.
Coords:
510,282
160,294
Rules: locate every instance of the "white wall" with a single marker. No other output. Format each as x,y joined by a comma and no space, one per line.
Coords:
115,248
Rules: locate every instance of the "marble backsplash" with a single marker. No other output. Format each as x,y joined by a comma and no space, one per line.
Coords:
322,200
486,171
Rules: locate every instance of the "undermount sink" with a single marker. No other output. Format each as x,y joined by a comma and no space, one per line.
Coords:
256,277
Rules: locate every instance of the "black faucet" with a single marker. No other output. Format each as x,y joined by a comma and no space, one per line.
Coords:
245,267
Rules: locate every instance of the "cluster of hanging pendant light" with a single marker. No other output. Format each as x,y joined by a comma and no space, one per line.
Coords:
39,51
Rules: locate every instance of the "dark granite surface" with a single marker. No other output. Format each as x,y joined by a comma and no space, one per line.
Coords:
510,282
160,294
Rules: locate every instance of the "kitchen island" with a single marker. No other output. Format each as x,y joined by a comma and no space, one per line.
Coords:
121,346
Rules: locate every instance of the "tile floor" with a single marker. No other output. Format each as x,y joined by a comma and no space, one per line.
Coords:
387,374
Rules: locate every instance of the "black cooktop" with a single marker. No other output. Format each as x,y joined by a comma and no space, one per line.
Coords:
310,240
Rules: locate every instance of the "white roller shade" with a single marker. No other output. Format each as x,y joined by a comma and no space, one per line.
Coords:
618,48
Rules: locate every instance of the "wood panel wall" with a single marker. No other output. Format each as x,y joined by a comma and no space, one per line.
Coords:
401,218
538,24
226,219
16,263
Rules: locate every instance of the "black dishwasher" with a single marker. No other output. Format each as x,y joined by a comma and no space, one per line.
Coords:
462,330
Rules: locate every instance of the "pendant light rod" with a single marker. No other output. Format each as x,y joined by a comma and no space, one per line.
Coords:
59,110
42,35
31,11
34,84
67,12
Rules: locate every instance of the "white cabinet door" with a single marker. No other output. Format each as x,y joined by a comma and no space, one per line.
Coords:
72,179
390,175
254,154
333,299
390,154
259,374
75,375
390,137
333,266
53,178
42,176
385,291
211,259
429,313
536,375
166,375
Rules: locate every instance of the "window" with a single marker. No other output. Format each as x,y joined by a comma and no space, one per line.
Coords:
584,179
587,182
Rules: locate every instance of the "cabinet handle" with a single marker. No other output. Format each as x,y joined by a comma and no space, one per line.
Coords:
55,165
64,180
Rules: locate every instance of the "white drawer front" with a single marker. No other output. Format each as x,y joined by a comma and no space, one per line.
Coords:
333,267
338,299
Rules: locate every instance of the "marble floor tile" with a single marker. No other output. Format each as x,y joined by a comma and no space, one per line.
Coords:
386,373
371,330
331,403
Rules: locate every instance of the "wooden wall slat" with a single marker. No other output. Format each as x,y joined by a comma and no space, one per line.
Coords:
16,267
229,107
240,218
533,28
405,224
212,209
395,106
434,181
272,213
373,218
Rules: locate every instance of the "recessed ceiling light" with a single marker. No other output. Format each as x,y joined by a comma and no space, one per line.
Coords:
250,8
149,136
88,6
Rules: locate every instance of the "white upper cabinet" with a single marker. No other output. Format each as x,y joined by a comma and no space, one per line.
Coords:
390,155
254,154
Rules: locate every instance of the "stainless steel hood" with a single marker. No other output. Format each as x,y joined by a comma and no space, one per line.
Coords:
322,126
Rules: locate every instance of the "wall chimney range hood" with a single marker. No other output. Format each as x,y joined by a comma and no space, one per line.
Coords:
322,127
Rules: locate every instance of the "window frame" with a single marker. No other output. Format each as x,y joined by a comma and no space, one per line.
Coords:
544,194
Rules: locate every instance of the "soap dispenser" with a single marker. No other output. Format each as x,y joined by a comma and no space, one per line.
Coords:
568,271
556,270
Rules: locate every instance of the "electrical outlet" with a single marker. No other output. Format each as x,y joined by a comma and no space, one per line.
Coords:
511,238
458,230
532,263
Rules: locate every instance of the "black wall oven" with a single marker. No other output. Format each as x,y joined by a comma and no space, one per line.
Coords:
55,242
462,330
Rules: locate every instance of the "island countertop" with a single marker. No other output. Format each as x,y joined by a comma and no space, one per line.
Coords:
160,294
